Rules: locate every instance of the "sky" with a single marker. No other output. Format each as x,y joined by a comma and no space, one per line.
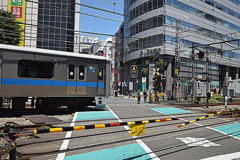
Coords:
99,25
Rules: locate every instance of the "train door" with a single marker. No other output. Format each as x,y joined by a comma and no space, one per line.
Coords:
92,79
76,78
101,79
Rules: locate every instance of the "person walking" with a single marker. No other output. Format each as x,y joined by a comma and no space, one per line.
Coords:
129,94
138,96
145,96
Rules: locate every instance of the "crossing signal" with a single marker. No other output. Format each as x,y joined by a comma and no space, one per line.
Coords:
201,55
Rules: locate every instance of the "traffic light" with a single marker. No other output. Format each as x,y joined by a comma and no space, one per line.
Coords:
201,55
191,53
154,87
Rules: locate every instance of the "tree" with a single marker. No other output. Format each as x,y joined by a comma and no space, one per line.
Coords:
160,66
144,70
159,70
10,29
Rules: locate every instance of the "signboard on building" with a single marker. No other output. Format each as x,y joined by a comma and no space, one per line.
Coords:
155,52
133,71
88,39
144,83
113,41
18,8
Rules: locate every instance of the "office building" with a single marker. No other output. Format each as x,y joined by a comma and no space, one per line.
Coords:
171,29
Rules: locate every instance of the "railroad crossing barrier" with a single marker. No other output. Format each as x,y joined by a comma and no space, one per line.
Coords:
14,134
10,147
229,110
64,129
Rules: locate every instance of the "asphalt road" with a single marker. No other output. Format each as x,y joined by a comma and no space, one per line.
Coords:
205,139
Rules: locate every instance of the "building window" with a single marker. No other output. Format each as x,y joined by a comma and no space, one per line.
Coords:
35,69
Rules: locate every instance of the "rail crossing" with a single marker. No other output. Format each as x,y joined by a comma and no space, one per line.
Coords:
172,111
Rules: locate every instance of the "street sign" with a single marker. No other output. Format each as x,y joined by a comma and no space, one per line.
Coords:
133,71
176,71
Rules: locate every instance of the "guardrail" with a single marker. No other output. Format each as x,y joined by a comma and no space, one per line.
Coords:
198,119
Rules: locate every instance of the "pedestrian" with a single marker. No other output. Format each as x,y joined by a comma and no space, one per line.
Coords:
116,93
138,96
129,94
145,96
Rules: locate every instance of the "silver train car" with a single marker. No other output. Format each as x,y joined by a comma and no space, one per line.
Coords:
52,78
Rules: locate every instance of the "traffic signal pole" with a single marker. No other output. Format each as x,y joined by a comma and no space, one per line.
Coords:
177,81
193,74
207,78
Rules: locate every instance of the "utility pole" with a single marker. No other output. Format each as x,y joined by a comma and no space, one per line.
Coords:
207,78
176,92
193,74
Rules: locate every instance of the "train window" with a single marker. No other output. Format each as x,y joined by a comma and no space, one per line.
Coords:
35,69
100,73
71,74
81,72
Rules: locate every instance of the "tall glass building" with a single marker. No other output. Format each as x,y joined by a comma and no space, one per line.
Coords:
150,30
51,24
56,25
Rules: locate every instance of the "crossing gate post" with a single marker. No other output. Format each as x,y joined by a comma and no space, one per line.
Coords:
13,153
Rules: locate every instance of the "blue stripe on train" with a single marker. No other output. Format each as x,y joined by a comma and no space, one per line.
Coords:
36,82
100,84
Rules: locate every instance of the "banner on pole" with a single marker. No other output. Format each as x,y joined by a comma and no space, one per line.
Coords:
18,8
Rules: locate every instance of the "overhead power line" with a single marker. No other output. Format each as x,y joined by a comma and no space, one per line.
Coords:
84,5
113,3
100,17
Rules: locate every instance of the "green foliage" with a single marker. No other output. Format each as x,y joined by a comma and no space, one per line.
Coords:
45,127
160,66
215,96
144,72
159,69
133,93
10,29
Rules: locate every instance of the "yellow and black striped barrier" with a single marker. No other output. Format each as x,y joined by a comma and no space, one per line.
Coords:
63,129
8,148
229,110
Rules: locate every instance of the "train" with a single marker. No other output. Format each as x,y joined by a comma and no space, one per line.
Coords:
50,79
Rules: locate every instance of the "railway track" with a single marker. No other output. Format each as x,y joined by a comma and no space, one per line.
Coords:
19,113
210,104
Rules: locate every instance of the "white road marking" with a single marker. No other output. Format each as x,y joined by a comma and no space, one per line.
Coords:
139,141
198,142
225,133
65,143
230,156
